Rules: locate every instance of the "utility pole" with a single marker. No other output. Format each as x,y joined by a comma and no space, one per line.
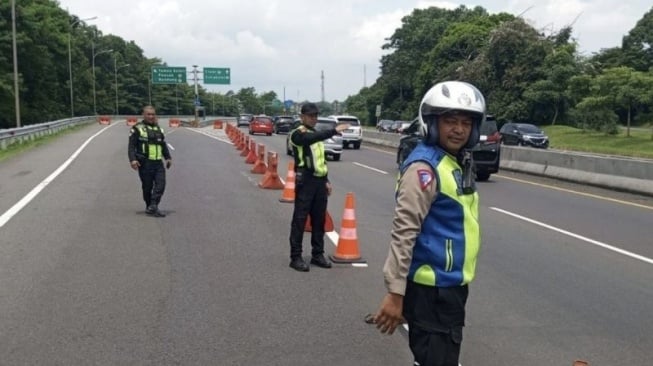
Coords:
13,42
197,97
364,76
322,87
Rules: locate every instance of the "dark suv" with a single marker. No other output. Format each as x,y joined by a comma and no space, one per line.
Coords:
486,153
282,124
523,134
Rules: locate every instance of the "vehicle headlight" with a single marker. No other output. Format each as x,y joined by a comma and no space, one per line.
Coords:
331,141
526,137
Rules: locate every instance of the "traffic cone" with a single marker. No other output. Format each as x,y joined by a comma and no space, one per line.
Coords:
245,151
259,166
328,223
347,250
272,180
288,194
251,156
580,363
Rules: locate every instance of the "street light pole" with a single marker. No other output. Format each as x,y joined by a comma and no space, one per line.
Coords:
115,78
93,67
70,63
13,41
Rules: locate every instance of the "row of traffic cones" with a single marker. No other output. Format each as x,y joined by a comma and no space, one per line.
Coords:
347,249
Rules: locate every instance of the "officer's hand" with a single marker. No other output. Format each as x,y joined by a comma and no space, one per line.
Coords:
329,188
168,163
389,316
135,164
342,127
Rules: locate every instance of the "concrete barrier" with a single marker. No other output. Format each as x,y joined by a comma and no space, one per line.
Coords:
614,172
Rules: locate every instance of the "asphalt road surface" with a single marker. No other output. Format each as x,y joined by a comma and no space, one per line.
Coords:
86,278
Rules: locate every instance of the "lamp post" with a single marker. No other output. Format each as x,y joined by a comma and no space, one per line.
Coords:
93,67
70,63
115,78
13,41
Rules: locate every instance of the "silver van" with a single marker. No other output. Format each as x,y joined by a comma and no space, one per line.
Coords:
354,134
332,146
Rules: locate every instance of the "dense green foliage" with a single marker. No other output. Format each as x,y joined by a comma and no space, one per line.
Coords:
526,74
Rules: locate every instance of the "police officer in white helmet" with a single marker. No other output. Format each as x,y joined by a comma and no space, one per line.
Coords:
435,231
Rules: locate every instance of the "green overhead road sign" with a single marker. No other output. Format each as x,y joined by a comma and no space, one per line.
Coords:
217,75
168,75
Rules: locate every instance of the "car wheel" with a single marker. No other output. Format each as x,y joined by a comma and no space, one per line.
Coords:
250,132
482,176
336,157
269,134
357,145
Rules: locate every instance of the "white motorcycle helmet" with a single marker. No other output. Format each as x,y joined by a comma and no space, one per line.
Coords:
451,96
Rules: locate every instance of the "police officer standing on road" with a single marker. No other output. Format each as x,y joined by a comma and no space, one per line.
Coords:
147,146
435,230
312,187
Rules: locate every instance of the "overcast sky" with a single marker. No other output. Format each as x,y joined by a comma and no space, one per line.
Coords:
272,44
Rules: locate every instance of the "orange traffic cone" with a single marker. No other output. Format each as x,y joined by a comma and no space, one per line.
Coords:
328,223
288,194
259,166
347,250
251,155
271,180
581,363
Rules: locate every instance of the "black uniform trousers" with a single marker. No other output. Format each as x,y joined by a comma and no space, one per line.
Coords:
435,316
310,198
153,181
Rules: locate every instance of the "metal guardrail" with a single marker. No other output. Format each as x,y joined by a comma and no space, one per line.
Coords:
11,136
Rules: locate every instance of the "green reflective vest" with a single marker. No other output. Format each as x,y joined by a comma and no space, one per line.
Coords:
150,139
313,159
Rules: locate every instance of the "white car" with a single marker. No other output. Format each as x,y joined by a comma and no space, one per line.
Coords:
354,134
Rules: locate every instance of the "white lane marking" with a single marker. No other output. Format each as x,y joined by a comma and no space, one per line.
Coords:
334,237
370,168
576,192
580,237
39,187
211,136
170,146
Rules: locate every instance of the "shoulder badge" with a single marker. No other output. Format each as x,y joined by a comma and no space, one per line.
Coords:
302,129
425,178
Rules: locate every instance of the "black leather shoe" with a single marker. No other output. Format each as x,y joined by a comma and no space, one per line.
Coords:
298,264
154,211
321,262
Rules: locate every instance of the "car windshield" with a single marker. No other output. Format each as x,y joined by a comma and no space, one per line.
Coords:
285,120
527,128
488,127
324,125
351,121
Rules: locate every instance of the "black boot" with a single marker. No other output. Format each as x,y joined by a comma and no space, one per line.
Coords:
154,211
320,261
298,264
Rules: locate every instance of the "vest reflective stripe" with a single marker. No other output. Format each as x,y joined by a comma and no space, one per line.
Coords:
446,249
317,161
149,147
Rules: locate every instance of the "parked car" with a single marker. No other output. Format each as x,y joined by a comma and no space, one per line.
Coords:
244,119
523,134
282,124
384,125
261,124
395,126
354,134
332,146
486,153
